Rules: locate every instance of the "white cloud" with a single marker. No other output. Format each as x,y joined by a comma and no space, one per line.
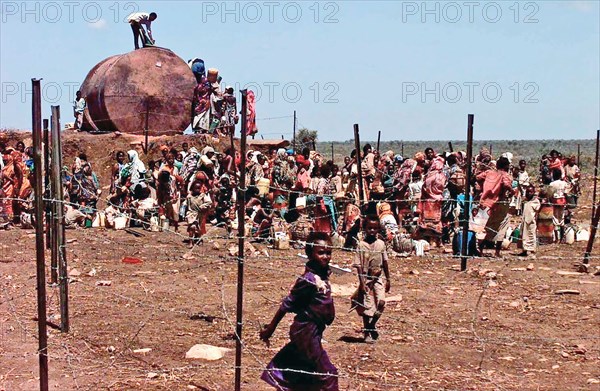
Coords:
99,24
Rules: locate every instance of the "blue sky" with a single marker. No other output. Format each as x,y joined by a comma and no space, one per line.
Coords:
412,70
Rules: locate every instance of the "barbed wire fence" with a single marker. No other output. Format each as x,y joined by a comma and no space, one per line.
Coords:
147,301
86,351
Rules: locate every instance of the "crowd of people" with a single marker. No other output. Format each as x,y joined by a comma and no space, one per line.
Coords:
214,109
373,204
419,200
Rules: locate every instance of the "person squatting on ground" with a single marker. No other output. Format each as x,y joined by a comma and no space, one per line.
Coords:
371,262
310,299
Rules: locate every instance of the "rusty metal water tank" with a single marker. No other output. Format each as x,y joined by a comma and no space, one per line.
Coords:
150,86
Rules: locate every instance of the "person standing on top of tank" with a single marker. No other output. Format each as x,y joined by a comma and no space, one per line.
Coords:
136,19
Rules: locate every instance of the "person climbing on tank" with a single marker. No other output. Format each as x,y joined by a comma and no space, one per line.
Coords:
136,20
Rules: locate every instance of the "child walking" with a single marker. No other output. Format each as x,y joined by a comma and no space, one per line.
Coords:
199,204
371,262
310,299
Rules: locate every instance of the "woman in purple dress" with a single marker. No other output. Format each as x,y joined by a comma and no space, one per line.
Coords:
303,364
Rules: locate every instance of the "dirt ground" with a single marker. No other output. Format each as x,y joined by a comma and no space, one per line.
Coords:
499,326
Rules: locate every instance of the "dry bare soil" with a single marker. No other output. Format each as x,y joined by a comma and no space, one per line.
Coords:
499,326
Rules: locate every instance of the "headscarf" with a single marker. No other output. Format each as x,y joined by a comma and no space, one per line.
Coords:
302,161
508,155
205,161
484,152
436,180
384,209
255,156
135,168
207,150
203,179
190,161
281,154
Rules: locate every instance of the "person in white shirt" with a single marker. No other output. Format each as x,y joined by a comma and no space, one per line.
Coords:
136,20
79,106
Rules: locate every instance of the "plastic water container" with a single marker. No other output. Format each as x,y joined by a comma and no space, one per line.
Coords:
154,227
121,222
569,235
164,223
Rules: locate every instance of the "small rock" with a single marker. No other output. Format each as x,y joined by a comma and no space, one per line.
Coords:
567,292
414,272
555,366
104,283
492,283
342,290
507,358
565,355
74,273
580,349
403,338
216,246
518,269
393,299
593,381
584,268
71,241
152,375
597,271
110,349
206,352
515,304
92,272
142,351
530,267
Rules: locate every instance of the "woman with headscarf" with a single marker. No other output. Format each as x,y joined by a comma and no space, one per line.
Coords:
251,127
199,205
281,180
202,104
230,114
402,179
430,205
496,192
190,164
133,172
254,168
209,153
325,213
12,179
88,188
302,182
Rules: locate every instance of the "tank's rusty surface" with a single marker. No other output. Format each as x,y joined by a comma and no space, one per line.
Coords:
122,90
